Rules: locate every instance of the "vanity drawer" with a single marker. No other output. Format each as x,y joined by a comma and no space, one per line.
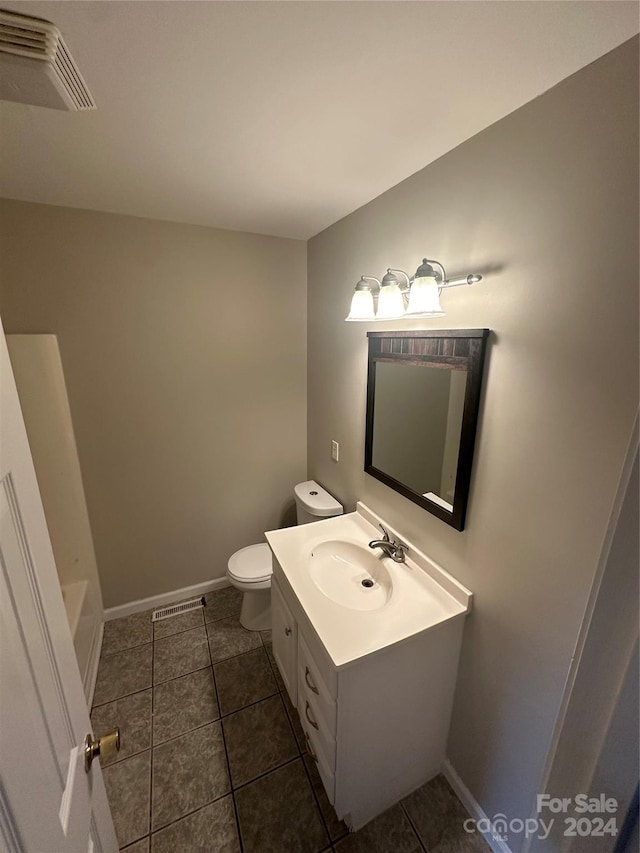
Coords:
317,752
323,746
314,687
314,722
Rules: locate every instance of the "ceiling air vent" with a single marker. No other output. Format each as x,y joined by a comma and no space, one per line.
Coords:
36,66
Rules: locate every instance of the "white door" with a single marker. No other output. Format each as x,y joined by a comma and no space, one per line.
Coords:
48,804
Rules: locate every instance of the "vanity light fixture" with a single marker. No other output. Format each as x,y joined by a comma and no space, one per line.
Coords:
362,302
418,296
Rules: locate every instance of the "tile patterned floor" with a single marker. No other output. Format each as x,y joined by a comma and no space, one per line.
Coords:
213,755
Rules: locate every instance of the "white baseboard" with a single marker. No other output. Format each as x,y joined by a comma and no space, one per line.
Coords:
91,673
473,807
164,598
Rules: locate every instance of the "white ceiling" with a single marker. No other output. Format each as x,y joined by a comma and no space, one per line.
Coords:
282,117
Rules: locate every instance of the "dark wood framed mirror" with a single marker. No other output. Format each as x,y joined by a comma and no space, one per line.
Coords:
423,398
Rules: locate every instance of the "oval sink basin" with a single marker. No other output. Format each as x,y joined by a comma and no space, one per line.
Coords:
350,575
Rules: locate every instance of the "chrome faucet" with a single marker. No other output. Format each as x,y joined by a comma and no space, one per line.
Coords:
396,550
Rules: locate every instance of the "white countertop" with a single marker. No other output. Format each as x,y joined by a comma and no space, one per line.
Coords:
423,597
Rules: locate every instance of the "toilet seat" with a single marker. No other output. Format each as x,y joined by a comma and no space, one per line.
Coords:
251,565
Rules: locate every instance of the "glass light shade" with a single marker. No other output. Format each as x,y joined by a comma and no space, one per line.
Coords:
424,298
390,302
362,306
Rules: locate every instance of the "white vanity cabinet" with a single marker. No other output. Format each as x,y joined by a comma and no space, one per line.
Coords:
376,726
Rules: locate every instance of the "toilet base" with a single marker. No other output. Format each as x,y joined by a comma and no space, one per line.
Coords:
255,614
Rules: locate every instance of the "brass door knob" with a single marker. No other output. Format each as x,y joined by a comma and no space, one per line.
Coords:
106,747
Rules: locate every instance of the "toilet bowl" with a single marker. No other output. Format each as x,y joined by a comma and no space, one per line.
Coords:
249,569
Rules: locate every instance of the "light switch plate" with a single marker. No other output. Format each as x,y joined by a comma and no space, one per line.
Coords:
335,451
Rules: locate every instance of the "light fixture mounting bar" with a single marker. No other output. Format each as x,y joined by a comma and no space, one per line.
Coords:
466,279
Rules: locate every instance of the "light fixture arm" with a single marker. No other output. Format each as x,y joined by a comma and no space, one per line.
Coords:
443,274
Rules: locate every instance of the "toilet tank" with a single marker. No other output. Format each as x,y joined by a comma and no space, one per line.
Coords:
314,503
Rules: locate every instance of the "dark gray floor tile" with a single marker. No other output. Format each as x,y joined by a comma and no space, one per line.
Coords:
177,624
265,636
179,654
132,715
227,638
337,829
439,816
127,784
123,673
222,603
141,846
188,772
390,831
183,704
259,739
213,828
266,808
243,680
127,632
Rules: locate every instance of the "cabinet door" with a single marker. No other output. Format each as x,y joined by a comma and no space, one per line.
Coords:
284,629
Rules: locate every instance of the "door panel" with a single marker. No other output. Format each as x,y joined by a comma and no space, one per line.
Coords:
47,801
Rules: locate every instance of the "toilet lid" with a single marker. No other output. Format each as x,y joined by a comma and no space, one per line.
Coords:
251,564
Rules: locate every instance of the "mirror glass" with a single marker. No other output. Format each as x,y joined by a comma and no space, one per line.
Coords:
419,409
423,397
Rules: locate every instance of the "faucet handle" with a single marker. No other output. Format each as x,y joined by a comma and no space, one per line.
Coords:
399,552
385,532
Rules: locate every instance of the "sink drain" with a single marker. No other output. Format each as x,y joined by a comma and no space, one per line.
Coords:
368,583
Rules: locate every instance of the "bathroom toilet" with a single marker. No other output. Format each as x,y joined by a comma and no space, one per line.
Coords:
250,570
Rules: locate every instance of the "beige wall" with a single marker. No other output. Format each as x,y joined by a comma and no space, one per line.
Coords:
184,355
545,204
